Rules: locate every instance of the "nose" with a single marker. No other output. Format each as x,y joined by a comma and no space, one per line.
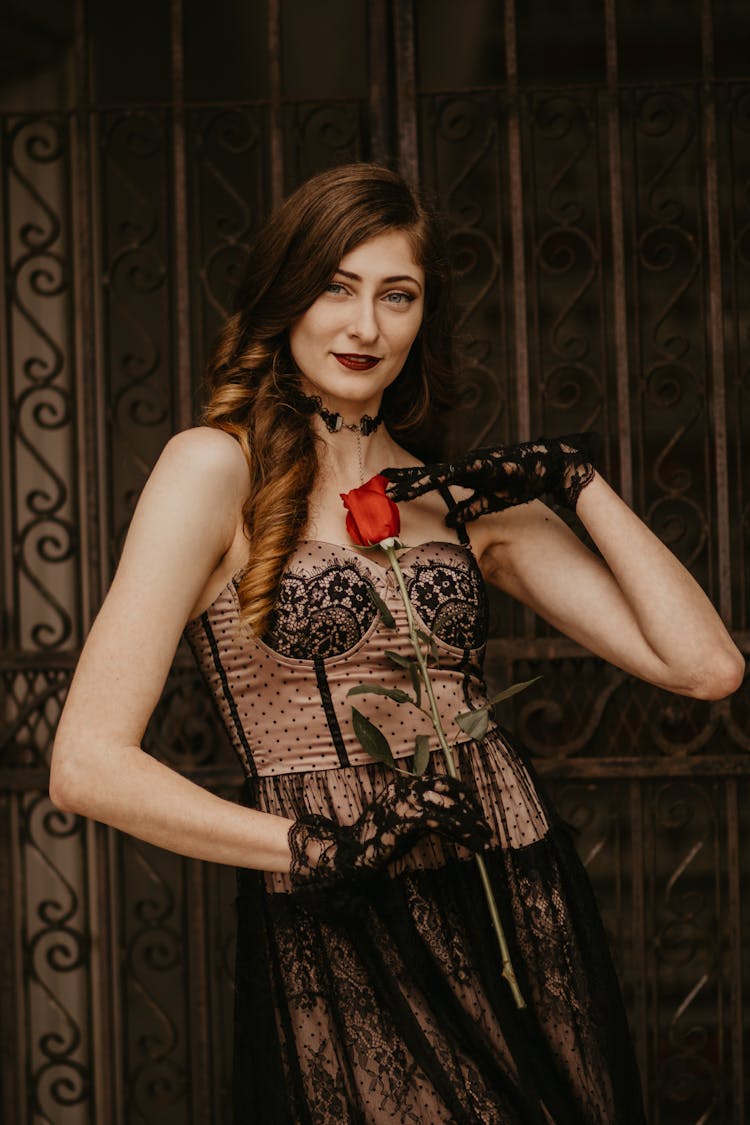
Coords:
363,325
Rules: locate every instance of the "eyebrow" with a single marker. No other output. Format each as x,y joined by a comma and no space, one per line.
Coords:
386,280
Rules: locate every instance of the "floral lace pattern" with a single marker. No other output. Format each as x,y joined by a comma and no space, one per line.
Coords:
451,602
324,853
325,613
328,612
504,475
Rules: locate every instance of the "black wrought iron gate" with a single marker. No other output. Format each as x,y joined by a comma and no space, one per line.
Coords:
593,159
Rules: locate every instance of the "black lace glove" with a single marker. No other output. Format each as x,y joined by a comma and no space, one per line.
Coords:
504,475
325,853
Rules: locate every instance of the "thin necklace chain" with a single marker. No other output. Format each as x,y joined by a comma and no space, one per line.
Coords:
334,423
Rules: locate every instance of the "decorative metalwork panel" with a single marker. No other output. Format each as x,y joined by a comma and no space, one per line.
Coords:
136,304
41,515
664,158
563,132
32,700
684,901
320,135
228,191
734,152
55,941
463,169
586,709
156,1062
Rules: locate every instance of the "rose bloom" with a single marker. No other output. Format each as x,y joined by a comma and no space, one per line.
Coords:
371,516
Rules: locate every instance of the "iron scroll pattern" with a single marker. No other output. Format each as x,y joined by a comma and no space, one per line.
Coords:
159,926
734,170
56,946
229,192
39,354
463,167
669,320
321,135
137,309
569,360
667,926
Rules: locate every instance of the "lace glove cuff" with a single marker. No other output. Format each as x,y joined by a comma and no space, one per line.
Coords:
504,476
326,853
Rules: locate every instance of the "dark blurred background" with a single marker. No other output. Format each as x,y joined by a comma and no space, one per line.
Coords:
592,161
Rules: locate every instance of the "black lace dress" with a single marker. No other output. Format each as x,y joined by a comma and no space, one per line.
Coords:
387,1005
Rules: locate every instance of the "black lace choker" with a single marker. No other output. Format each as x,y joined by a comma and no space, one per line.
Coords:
335,421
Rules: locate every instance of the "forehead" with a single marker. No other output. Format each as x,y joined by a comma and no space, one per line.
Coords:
387,255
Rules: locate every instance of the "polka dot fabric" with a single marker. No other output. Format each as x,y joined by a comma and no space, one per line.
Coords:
386,1006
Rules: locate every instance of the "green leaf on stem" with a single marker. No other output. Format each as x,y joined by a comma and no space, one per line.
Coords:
410,664
416,681
512,690
474,723
373,740
383,611
421,754
428,640
372,688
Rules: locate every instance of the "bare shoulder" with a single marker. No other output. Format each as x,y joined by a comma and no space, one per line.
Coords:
200,472
205,450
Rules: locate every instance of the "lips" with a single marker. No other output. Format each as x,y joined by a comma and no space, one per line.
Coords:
356,362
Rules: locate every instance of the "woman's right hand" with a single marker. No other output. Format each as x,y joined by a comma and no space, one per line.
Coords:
325,853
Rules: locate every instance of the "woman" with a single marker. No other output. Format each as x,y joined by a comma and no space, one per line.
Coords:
368,985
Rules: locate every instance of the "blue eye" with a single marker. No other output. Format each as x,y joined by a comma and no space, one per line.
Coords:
400,298
334,287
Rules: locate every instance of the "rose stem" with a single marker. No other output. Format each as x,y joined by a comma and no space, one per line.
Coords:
507,966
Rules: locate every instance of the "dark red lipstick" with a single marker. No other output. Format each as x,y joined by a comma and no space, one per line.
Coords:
356,362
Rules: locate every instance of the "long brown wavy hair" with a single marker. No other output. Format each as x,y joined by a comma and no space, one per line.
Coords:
251,377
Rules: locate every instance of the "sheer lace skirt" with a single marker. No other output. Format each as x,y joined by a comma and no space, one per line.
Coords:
386,1006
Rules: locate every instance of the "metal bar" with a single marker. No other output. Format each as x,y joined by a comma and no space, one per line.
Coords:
715,318
86,383
640,982
112,884
407,142
734,940
106,1039
9,626
183,413
9,1065
24,1053
619,285
645,768
378,81
198,1001
93,559
515,167
276,124
518,252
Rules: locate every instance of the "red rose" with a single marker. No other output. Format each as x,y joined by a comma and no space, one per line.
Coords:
371,516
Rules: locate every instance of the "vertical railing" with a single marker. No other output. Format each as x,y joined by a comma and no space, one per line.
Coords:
619,282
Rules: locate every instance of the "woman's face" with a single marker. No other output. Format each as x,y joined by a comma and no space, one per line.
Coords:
354,339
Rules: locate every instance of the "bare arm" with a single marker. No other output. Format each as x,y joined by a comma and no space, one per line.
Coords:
183,526
637,606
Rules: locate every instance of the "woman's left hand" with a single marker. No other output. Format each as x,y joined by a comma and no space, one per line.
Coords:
504,476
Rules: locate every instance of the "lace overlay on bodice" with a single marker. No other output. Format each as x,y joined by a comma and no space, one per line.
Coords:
324,613
283,697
